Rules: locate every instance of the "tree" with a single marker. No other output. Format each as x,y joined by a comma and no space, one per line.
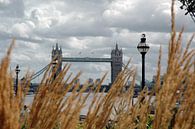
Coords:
189,6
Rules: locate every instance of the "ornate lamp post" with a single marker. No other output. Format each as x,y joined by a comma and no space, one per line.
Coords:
17,70
143,49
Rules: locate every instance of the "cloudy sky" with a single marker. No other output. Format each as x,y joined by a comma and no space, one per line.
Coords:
88,27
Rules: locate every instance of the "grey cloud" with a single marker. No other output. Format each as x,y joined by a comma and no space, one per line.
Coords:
83,26
12,8
151,18
4,35
87,6
77,28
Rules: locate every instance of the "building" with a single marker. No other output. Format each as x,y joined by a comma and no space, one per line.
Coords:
117,62
57,58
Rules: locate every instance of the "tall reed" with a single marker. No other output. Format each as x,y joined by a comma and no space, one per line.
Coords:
52,110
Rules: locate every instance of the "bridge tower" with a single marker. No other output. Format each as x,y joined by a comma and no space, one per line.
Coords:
57,57
117,61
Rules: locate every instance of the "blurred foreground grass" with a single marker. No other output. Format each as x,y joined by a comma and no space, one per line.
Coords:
50,110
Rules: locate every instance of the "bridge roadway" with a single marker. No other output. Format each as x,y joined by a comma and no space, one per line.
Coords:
86,59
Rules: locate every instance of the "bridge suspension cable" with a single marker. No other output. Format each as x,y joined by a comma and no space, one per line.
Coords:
39,72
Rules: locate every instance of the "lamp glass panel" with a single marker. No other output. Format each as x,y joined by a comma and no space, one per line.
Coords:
147,48
143,47
140,49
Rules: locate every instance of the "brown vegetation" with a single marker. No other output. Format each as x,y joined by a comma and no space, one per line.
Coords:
51,110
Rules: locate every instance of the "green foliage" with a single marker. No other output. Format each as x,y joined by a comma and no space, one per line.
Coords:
150,121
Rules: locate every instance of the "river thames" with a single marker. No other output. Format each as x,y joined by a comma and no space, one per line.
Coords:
29,99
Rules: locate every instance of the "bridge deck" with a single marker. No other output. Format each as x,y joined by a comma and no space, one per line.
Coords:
86,59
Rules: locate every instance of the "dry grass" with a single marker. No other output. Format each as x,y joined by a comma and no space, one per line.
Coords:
51,110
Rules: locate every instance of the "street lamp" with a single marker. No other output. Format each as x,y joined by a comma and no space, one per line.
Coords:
17,70
143,49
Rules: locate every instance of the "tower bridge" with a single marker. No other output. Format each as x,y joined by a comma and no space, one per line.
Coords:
116,60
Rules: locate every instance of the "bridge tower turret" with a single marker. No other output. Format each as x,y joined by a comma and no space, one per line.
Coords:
117,62
57,57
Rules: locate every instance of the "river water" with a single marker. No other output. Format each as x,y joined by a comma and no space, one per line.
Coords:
29,99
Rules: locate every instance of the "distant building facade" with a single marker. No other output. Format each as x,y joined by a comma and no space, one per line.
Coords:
117,62
57,56
155,78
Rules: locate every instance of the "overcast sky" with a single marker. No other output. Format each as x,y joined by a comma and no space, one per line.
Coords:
88,27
